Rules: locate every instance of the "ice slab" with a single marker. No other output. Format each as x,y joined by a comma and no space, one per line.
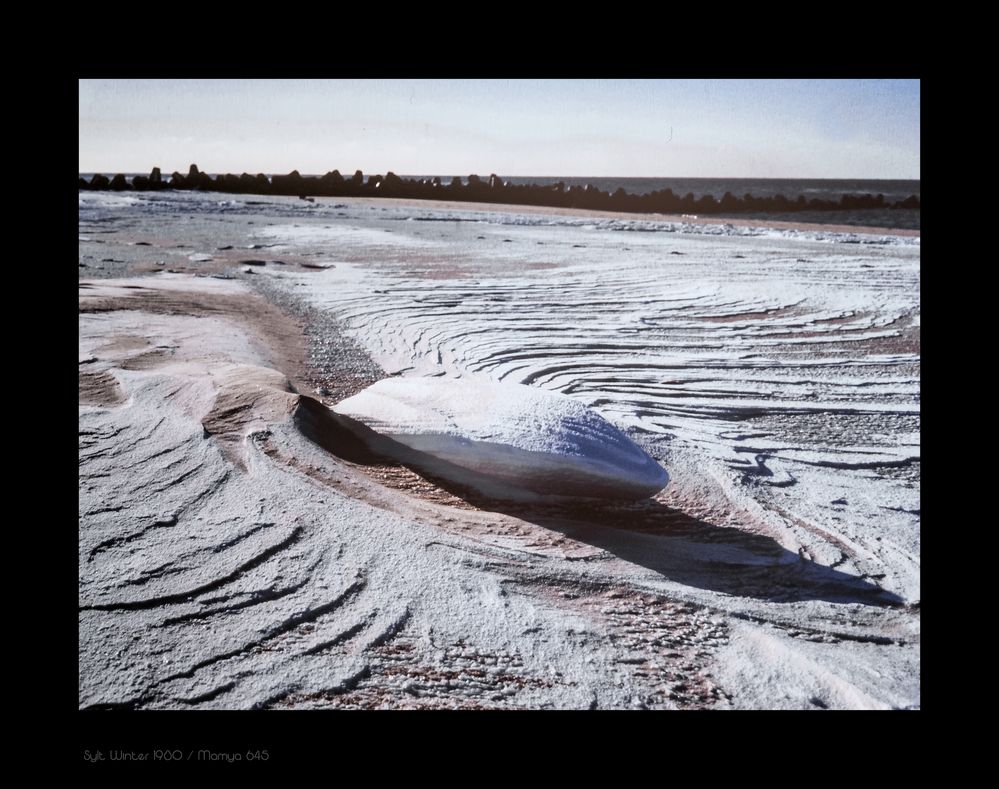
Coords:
505,438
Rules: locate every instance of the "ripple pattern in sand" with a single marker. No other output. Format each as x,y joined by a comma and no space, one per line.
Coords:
792,365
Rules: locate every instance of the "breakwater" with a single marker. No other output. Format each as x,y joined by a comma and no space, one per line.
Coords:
491,189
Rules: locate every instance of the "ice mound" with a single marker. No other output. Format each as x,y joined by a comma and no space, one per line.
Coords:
504,438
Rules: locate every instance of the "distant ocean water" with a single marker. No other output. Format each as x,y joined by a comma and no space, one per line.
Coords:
820,188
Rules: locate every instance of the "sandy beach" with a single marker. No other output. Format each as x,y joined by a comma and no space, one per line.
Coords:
239,550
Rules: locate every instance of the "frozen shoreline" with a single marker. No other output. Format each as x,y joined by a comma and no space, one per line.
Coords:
703,597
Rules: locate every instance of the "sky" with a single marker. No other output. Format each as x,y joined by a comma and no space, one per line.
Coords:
599,128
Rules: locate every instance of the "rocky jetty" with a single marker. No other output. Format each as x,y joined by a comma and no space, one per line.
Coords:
490,190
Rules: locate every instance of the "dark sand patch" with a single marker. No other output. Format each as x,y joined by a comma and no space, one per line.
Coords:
100,388
123,344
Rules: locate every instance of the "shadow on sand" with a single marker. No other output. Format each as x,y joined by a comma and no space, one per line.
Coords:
677,546
695,552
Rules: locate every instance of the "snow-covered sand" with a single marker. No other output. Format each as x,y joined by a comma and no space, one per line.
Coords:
774,373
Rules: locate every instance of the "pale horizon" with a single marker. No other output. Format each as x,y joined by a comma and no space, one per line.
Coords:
791,129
